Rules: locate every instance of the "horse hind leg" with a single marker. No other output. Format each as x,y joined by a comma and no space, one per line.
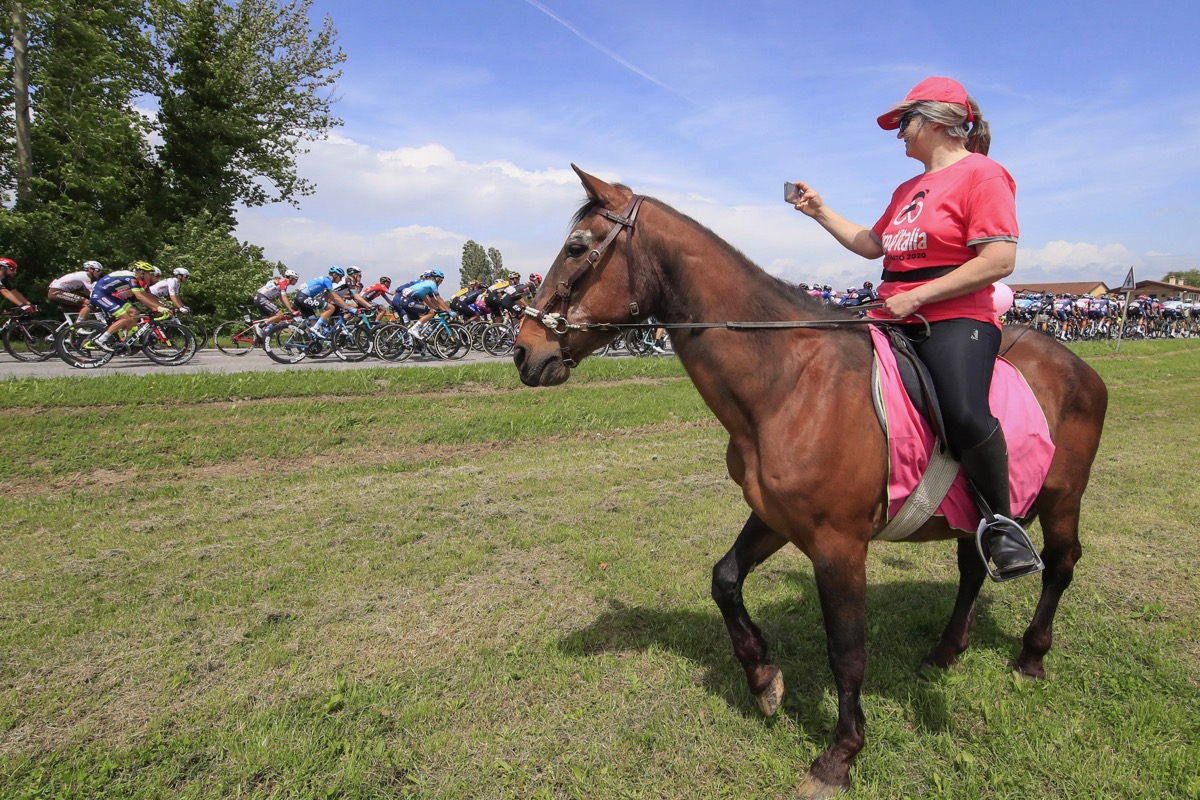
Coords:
754,544
1060,527
957,635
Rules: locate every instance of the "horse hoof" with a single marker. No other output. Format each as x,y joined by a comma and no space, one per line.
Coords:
813,788
932,665
770,697
1033,671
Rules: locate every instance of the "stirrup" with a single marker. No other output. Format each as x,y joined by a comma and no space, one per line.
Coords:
997,524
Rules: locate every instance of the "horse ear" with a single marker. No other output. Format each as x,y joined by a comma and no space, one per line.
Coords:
597,189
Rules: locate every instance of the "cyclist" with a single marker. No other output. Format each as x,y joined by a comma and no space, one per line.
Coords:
381,289
425,292
348,289
8,268
513,296
867,293
317,298
168,290
264,300
114,294
463,302
63,290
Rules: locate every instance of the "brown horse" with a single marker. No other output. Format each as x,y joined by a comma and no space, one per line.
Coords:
784,395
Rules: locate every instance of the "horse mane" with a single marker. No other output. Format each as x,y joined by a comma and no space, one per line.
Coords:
771,298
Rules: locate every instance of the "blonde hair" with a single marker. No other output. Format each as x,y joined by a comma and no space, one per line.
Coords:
976,136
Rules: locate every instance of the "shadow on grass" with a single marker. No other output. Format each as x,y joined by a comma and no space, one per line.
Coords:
904,621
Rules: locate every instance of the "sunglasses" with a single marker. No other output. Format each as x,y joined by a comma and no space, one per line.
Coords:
906,119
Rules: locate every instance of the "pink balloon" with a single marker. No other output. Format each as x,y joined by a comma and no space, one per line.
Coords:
1002,298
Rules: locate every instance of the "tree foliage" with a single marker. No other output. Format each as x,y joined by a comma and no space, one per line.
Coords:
1190,277
475,265
233,87
245,84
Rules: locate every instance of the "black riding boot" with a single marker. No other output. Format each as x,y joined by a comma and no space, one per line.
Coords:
986,467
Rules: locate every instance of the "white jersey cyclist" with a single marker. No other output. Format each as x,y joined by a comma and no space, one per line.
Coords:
72,282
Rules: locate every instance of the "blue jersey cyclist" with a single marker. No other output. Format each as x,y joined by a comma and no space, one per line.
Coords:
425,292
115,294
317,299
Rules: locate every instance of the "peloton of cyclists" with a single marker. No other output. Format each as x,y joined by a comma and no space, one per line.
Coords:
316,298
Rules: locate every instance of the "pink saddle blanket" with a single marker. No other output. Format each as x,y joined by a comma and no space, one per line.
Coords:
910,440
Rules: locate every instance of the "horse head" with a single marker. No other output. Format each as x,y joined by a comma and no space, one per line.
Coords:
595,279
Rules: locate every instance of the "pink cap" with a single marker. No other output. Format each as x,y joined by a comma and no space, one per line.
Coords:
940,90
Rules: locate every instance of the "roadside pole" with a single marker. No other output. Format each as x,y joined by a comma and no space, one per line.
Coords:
1126,287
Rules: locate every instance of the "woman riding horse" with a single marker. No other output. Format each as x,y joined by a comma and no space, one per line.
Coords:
945,238
777,389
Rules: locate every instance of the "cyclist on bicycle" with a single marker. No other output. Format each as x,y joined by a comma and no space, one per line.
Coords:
513,296
8,268
425,292
115,293
377,290
168,290
464,301
317,298
264,300
349,290
62,291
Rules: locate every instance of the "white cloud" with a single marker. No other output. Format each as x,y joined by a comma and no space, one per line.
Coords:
1062,261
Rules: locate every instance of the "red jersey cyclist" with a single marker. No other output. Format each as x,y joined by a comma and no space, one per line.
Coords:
8,268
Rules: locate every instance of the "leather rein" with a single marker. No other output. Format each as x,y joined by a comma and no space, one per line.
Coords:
558,324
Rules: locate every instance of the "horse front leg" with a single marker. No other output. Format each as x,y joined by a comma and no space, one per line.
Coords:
841,575
957,635
754,545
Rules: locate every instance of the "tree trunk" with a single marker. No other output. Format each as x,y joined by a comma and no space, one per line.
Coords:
20,43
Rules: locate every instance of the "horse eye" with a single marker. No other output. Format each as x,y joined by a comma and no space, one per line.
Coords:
576,250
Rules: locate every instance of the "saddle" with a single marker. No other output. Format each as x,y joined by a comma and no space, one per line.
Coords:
923,478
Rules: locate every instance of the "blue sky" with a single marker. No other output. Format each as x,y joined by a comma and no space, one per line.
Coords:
462,119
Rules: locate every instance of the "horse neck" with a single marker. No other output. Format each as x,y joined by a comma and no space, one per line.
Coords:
740,374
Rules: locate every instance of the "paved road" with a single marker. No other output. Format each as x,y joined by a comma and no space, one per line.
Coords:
211,360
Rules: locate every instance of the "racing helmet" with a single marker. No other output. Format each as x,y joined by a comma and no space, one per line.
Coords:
514,276
535,278
353,271
868,285
8,262
92,266
142,266
291,274
385,280
437,274
336,270
180,272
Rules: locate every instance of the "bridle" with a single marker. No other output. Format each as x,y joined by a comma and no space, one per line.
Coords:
557,322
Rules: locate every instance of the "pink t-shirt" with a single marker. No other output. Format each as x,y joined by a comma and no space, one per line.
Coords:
936,219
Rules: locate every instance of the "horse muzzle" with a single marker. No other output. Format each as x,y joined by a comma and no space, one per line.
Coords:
540,369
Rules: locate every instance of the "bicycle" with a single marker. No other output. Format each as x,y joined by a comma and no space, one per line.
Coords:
27,339
164,340
237,337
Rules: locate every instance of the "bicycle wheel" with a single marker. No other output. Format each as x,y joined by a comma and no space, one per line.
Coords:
170,344
347,345
234,338
198,329
393,342
69,341
498,339
451,342
638,342
288,344
30,340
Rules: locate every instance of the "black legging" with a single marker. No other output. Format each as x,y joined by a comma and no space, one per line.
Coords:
960,355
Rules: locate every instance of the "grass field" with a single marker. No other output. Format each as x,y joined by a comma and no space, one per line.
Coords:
404,583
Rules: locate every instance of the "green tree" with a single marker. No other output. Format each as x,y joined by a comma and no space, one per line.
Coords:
495,264
475,265
1191,276
224,272
245,84
86,62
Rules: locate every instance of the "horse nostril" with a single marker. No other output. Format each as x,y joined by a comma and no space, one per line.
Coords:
519,355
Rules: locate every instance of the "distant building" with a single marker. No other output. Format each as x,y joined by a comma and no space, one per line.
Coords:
1168,288
1094,288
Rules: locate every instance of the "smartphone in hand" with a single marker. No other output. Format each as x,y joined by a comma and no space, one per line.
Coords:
791,193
